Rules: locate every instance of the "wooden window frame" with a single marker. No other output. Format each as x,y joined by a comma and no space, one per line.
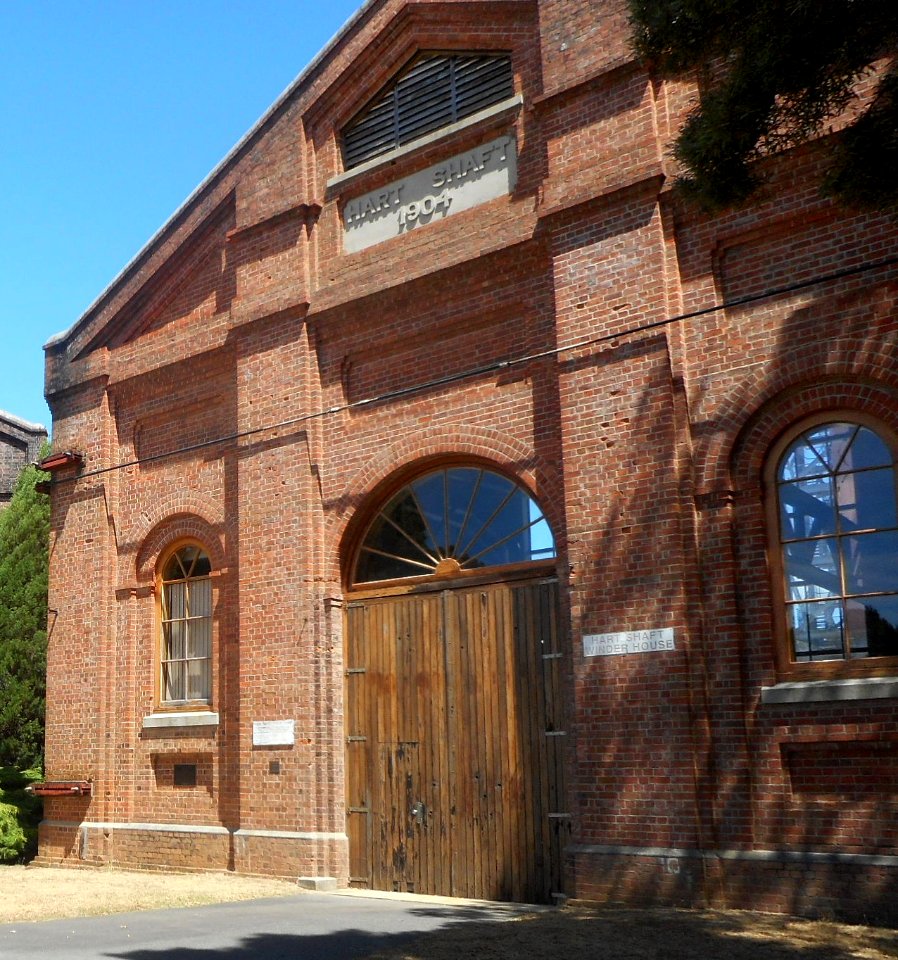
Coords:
789,669
198,704
524,569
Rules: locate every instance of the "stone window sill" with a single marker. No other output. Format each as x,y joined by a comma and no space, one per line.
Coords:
831,691
188,718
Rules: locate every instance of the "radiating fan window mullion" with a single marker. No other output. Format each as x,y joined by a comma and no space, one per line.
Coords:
433,514
395,556
488,521
464,526
498,543
418,546
433,539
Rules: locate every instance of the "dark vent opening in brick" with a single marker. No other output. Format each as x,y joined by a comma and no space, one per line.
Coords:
184,775
434,91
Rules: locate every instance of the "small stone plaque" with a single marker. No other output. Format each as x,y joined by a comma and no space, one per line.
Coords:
628,641
457,183
274,733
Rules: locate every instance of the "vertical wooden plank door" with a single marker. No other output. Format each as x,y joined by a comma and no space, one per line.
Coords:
454,762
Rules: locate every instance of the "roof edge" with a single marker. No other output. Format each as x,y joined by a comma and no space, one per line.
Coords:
22,424
301,77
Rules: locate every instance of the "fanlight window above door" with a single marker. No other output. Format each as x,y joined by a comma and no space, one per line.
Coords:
453,520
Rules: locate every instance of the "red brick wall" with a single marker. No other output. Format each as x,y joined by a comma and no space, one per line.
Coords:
20,444
644,446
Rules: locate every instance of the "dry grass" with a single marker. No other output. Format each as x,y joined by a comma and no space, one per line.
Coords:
618,934
45,893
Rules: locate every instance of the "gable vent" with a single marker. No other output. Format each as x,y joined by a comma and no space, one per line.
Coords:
433,92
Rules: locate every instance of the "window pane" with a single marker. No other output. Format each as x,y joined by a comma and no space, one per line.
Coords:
812,569
404,514
198,686
188,557
173,681
372,566
542,544
873,626
174,638
462,486
492,491
431,496
200,593
807,508
870,563
866,500
816,630
173,569
801,460
867,450
199,637
830,441
175,600
506,539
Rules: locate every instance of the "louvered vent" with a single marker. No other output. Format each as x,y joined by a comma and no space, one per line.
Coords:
434,91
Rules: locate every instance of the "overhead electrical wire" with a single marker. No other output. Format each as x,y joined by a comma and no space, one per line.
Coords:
491,368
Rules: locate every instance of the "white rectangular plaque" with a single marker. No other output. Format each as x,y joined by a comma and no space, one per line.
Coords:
458,183
274,733
629,641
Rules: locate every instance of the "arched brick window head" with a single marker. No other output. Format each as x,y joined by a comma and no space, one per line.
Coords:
453,520
837,526
186,626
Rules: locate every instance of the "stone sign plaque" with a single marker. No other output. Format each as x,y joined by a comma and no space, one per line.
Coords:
631,641
459,183
274,733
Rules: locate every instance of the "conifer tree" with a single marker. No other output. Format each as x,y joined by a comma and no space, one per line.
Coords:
772,76
24,560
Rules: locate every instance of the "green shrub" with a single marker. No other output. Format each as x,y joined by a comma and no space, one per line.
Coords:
20,813
24,561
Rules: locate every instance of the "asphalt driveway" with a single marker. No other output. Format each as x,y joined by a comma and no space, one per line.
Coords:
308,926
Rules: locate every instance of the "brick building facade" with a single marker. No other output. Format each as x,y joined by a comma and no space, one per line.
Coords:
20,444
461,513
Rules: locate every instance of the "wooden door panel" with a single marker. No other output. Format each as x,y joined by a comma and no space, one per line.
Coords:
450,697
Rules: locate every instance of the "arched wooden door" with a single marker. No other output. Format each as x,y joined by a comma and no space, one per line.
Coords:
454,732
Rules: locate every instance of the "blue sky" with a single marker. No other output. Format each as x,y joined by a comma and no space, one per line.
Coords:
112,113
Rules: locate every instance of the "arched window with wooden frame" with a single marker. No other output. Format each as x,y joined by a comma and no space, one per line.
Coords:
185,626
453,521
833,517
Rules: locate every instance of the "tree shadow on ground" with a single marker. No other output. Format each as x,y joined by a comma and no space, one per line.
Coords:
572,934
